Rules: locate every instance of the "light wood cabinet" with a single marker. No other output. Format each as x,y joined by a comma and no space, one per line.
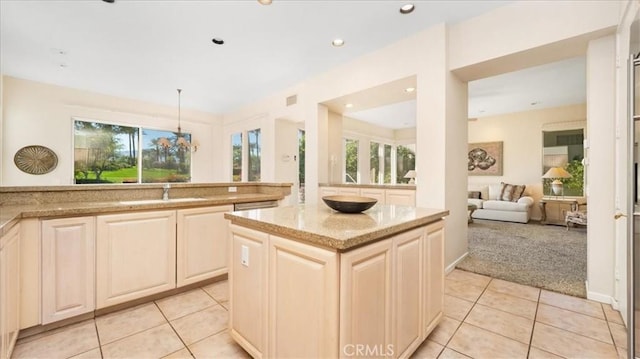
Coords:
248,289
309,311
202,249
382,299
135,256
9,290
400,196
365,298
397,196
68,268
408,294
433,274
376,193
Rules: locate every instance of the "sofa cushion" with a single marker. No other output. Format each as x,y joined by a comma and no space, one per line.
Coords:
494,191
505,206
511,192
477,202
473,194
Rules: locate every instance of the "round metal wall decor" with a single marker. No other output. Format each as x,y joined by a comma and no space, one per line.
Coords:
35,160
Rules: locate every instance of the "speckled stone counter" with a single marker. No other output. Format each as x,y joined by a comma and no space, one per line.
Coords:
321,226
61,201
358,185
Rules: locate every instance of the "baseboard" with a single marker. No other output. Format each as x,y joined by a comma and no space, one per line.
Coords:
599,297
453,265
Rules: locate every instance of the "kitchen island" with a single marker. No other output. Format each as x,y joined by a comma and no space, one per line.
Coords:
309,282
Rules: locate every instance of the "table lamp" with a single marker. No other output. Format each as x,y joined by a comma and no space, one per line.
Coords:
556,173
412,176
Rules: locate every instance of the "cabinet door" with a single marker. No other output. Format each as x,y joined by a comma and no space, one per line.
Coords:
347,191
404,197
408,282
202,248
373,193
135,256
248,289
68,268
303,300
9,290
434,276
365,299
326,191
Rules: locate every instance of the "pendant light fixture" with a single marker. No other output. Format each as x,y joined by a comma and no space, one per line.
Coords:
181,141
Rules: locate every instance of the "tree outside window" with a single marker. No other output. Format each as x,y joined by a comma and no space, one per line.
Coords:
109,153
254,155
351,160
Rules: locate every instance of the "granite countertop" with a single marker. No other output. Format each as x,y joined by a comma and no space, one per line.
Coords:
324,227
359,185
11,214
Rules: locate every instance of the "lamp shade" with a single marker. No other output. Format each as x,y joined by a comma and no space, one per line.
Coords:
411,175
557,172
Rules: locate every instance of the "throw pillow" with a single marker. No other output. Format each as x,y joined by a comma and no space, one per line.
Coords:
511,192
474,194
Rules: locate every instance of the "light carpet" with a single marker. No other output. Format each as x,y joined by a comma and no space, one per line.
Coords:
543,256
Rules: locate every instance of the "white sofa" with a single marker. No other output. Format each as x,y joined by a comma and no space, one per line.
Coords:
489,205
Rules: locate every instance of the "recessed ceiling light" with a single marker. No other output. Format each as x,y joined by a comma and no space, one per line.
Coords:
409,89
407,8
349,105
109,1
217,41
337,42
265,2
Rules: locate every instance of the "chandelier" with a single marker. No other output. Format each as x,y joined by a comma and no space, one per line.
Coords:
181,141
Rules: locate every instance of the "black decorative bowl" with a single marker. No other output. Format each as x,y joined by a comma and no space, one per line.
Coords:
349,204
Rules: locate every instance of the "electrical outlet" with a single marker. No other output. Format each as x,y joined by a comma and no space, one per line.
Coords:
233,189
244,256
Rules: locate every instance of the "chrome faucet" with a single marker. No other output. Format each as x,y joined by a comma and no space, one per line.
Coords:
165,192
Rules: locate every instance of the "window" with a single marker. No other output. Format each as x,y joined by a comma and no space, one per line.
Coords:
351,161
405,161
254,155
374,162
387,164
236,157
109,153
301,165
564,149
163,160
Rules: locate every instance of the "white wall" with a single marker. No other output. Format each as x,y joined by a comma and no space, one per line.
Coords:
521,134
528,33
286,155
601,95
41,114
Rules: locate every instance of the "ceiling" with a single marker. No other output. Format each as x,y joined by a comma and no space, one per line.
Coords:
146,49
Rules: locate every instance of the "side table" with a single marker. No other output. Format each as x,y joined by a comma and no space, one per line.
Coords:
554,209
471,208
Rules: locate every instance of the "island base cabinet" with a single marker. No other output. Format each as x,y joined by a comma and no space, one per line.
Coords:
379,300
202,248
433,274
365,301
303,300
248,289
68,268
135,256
9,290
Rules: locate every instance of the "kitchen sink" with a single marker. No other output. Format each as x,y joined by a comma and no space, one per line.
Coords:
154,201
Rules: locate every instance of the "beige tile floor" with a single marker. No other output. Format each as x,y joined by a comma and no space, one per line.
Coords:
484,318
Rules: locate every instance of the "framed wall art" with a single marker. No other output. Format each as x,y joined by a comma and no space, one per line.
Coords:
485,159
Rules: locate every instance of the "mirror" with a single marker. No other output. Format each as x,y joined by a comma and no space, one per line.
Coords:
372,135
